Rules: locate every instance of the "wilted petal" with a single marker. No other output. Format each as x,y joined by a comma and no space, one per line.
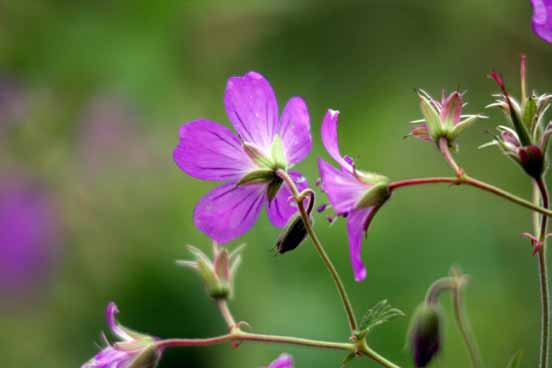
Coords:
283,361
329,137
228,211
295,130
252,108
210,151
452,108
117,330
542,19
421,132
344,190
282,207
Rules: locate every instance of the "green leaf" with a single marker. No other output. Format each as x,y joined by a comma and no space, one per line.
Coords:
347,360
515,361
379,314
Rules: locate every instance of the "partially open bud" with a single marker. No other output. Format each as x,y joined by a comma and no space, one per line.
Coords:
425,333
218,274
293,235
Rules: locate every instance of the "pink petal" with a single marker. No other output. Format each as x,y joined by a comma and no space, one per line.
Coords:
344,190
542,19
252,108
228,211
295,130
210,151
111,314
282,208
356,221
329,137
283,361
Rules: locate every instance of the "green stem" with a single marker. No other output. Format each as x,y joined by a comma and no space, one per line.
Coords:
465,327
467,180
543,276
238,336
321,251
226,313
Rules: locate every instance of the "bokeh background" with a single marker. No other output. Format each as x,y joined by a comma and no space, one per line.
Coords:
91,98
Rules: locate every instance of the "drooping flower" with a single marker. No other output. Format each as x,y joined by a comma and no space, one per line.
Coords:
542,19
442,119
283,361
134,350
246,162
353,194
28,234
527,142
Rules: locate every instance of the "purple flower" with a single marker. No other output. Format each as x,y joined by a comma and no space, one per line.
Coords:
133,349
442,119
542,19
28,233
352,193
283,361
246,162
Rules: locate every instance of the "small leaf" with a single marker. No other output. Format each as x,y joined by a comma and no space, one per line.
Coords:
347,360
379,314
515,361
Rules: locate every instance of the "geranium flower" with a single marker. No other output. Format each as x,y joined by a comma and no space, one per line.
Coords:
542,19
283,361
133,349
246,162
442,119
352,193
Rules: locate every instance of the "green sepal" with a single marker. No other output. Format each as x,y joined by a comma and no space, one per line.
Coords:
149,358
376,195
519,126
278,153
273,188
515,360
260,157
530,113
348,358
257,176
433,120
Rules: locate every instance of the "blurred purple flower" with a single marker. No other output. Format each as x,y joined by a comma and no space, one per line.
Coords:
12,101
110,136
133,349
542,19
352,193
246,163
28,232
283,361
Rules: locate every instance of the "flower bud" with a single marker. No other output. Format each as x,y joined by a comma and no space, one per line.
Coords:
218,274
293,235
532,160
376,195
425,333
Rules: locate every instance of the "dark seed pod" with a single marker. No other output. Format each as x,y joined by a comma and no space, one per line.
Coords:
532,160
292,236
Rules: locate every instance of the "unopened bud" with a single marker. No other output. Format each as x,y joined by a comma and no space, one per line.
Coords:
532,160
425,333
293,235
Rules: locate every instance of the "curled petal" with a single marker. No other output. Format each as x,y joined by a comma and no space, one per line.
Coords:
295,130
282,207
330,140
117,330
542,19
283,361
421,132
228,211
343,188
252,108
357,225
210,151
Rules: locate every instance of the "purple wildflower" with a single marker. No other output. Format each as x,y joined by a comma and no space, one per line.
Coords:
133,349
283,361
542,19
246,162
442,119
28,232
353,194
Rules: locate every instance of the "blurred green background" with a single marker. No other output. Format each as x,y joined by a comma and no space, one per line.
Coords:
104,87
